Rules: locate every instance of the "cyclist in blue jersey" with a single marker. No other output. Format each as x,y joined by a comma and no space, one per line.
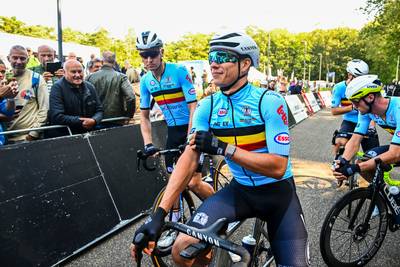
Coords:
171,87
365,94
342,106
249,126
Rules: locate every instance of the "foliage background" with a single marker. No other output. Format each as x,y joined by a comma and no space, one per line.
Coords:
377,43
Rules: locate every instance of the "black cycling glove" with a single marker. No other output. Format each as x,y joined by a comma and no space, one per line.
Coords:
152,227
346,168
209,144
150,149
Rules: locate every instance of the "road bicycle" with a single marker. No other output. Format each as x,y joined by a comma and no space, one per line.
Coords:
219,175
356,225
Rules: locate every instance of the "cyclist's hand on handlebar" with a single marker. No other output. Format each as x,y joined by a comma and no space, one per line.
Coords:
151,230
150,149
208,143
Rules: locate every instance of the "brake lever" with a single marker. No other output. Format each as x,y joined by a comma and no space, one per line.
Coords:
140,244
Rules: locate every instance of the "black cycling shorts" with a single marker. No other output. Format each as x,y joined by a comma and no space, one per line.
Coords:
377,151
276,203
177,135
370,140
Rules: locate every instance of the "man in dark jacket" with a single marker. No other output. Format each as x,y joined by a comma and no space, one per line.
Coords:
114,89
74,102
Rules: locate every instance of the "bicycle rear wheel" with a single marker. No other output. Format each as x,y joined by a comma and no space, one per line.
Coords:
222,175
346,244
162,254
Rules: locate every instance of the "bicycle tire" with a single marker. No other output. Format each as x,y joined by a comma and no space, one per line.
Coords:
262,255
222,175
162,256
360,198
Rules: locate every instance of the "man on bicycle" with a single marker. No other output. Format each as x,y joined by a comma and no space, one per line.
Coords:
171,87
342,106
249,126
365,94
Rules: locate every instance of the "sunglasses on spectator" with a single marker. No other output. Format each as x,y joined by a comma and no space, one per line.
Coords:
152,54
220,57
2,71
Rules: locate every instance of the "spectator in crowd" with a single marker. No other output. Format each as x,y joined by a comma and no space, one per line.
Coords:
297,89
92,57
113,88
211,89
133,75
126,66
94,65
263,84
271,85
47,55
71,55
204,78
32,60
74,102
32,100
8,90
282,86
192,74
392,89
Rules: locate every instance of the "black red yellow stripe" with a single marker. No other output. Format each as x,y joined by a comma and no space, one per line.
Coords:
248,138
169,96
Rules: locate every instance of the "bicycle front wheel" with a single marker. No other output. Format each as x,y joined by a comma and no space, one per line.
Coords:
222,175
262,255
162,254
345,240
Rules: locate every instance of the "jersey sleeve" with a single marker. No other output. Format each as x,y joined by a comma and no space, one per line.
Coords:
144,95
201,115
275,114
187,86
362,124
396,135
337,96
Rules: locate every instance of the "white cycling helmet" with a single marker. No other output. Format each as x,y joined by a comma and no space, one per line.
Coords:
148,40
362,86
238,42
357,67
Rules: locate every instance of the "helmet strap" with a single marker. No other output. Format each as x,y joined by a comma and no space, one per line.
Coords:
369,104
226,88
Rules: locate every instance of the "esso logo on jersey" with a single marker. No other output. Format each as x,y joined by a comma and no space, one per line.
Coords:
222,112
282,138
192,91
152,83
398,133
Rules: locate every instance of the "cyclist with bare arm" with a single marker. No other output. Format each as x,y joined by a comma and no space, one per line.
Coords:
249,126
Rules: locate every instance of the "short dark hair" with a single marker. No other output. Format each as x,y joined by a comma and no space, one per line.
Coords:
91,62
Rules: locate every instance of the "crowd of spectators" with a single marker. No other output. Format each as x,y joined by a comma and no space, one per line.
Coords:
39,91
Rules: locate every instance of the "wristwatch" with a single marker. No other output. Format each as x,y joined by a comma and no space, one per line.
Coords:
230,150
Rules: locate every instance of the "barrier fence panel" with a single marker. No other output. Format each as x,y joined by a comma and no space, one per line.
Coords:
296,107
327,97
58,196
313,102
52,201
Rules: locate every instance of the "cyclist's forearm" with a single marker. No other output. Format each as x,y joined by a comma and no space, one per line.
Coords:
341,110
145,128
192,108
270,165
389,157
180,177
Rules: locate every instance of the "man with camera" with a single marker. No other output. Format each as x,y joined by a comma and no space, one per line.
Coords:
50,70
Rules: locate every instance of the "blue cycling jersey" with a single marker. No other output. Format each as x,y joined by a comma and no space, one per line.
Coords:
391,123
172,93
253,119
339,99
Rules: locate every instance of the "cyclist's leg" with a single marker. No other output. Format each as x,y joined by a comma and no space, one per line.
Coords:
226,203
341,140
202,189
373,153
286,225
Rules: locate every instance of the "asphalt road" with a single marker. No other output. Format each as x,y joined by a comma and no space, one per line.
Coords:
310,152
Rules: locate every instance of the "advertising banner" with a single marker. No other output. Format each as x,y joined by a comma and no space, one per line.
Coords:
296,107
